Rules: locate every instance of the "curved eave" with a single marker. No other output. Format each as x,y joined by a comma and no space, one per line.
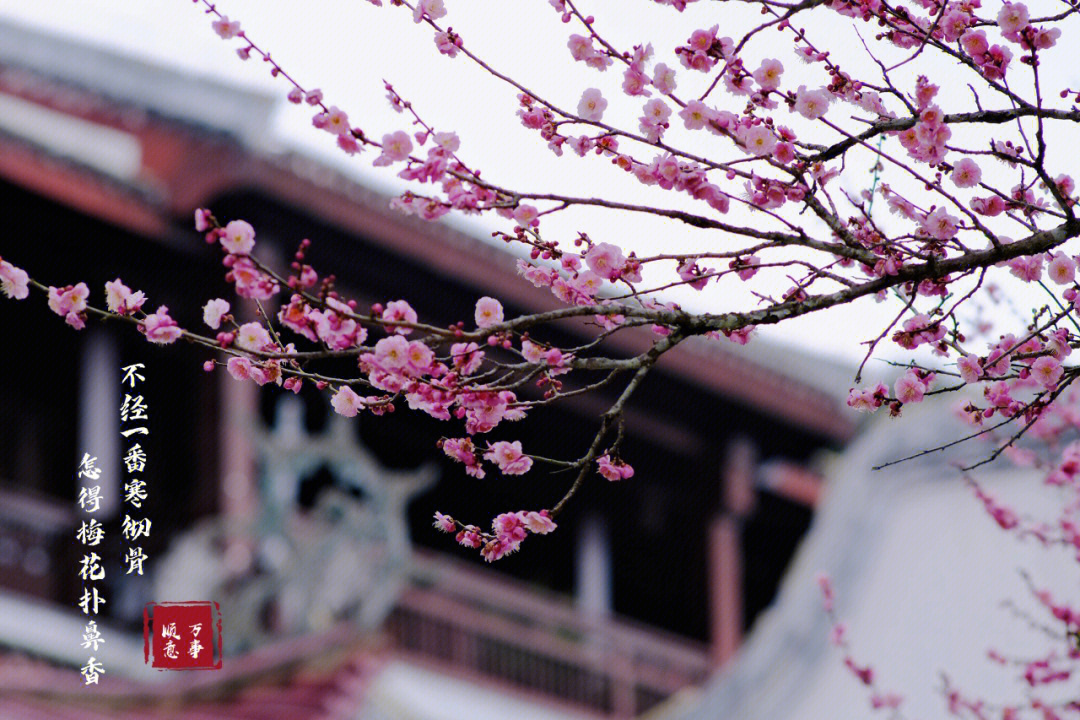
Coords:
184,167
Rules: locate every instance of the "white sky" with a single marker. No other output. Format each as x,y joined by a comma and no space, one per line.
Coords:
348,47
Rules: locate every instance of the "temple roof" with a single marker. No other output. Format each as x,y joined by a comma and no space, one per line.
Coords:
322,676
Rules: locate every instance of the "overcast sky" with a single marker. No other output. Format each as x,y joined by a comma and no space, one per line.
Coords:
348,47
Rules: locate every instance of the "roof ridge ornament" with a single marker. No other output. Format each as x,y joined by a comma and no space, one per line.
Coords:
292,571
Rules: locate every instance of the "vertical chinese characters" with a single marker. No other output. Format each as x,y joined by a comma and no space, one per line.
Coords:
91,571
134,416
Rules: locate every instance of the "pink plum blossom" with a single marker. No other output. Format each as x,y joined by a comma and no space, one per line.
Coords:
337,122
592,105
784,153
497,549
909,388
1061,269
268,372
811,104
1047,371
886,700
954,22
606,260
250,281
392,353
940,224
1028,269
448,43
714,196
469,537
225,28
214,311
489,311
768,74
555,358
444,523
1044,38
1012,18
990,206
448,141
635,82
463,451
539,523
160,328
656,111
399,311
747,267
664,79
970,368
613,469
420,357
71,299
509,527
239,367
508,456
346,402
396,147
703,40
759,140
532,352
580,46
869,399
859,400
691,274
966,173
740,336
974,42
14,282
202,220
695,115
433,9
467,357
120,299
252,336
588,283
526,215
348,143
238,238
70,303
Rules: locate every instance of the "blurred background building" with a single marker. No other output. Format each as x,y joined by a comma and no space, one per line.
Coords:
929,590
339,600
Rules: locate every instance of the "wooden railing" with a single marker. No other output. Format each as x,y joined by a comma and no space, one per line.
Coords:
477,624
36,533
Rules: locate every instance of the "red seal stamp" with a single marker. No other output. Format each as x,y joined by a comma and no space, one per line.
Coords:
182,635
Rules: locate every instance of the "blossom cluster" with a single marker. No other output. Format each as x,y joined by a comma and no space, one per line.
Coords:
393,368
508,530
